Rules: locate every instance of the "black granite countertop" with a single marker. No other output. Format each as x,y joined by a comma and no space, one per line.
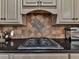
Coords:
39,51
14,49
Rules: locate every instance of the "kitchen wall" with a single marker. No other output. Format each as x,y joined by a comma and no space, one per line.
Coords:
37,25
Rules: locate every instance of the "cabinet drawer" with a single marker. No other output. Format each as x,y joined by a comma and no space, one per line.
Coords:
74,56
41,56
39,2
48,2
4,56
30,2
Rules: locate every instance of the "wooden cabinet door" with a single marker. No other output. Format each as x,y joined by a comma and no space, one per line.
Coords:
2,9
77,11
4,56
48,2
10,11
30,2
66,11
40,56
74,56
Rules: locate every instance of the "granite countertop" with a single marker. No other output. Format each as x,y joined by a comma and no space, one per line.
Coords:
17,42
39,51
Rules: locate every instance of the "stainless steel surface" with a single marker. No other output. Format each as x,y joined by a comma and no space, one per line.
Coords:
42,43
75,45
74,33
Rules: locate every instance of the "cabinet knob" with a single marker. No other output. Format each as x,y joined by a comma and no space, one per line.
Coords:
73,18
76,18
37,2
3,18
40,2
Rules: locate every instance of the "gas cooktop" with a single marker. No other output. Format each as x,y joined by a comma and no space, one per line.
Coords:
40,43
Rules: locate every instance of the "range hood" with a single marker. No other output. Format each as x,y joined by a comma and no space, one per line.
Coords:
40,43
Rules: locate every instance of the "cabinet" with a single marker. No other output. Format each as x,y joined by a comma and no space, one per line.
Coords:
30,2
68,12
48,2
39,2
32,5
10,12
40,56
77,11
74,56
4,56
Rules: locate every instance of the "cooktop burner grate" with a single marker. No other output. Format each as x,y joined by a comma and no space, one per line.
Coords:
40,43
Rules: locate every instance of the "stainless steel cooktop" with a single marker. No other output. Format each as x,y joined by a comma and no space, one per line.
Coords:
40,43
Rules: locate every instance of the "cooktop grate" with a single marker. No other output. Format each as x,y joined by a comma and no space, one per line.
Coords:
40,43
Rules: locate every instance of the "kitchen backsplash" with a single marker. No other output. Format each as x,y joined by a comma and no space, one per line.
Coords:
37,25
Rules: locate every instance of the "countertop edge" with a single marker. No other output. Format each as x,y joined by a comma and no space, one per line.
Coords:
39,51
